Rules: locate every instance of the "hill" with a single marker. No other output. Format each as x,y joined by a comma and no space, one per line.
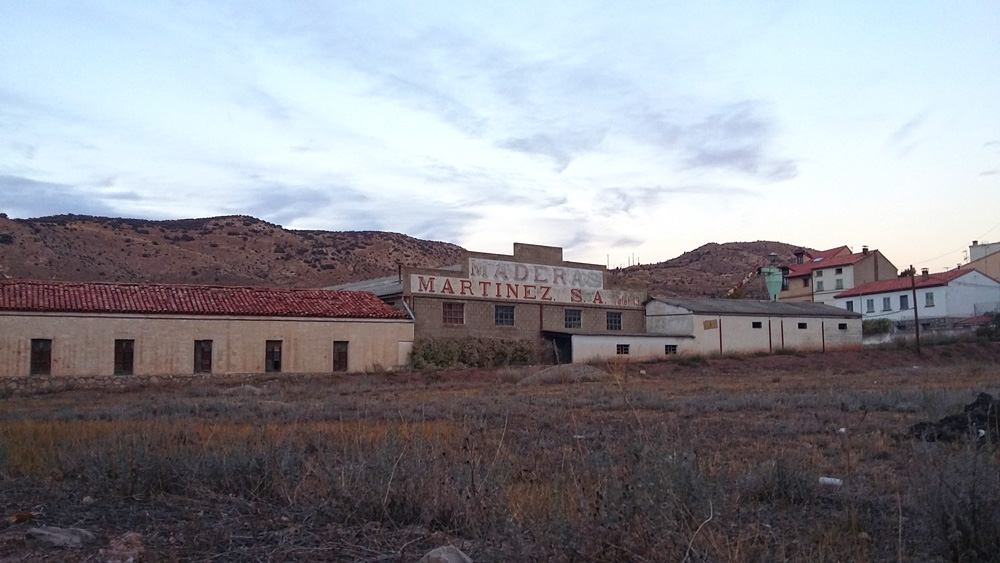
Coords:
709,270
243,250
232,250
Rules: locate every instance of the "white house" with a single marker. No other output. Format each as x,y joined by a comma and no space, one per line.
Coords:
941,299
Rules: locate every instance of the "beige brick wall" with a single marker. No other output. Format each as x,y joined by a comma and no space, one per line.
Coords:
83,344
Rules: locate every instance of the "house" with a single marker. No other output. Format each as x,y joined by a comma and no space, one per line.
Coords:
105,329
984,258
738,326
531,294
941,299
819,276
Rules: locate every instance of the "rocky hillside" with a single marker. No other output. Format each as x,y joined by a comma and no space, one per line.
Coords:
242,250
234,250
709,270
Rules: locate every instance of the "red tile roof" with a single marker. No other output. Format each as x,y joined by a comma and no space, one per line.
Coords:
901,284
805,268
86,297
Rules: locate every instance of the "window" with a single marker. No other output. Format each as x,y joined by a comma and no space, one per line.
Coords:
819,273
124,355
839,271
614,320
669,349
453,313
850,305
503,315
803,326
819,286
41,357
340,355
621,349
756,324
805,282
929,299
272,356
838,283
842,326
904,302
869,305
574,318
203,356
886,304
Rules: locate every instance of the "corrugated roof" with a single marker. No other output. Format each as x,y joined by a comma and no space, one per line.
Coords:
901,284
757,308
382,287
88,297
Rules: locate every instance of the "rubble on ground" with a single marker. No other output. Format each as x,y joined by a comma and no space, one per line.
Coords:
980,420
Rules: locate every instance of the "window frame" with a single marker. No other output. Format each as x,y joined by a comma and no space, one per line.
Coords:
887,303
341,355
819,285
669,349
870,305
838,283
850,305
453,313
622,349
124,356
756,324
570,322
272,356
501,316
904,302
41,357
803,326
841,326
201,347
614,321
929,299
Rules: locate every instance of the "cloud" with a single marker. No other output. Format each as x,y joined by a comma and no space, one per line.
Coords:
736,138
902,141
625,200
24,197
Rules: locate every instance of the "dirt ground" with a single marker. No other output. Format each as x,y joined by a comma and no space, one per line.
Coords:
704,459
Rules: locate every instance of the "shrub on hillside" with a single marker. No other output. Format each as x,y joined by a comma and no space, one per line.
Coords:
440,353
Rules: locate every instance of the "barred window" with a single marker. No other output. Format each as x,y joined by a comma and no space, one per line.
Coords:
669,349
574,318
503,315
453,313
614,320
622,349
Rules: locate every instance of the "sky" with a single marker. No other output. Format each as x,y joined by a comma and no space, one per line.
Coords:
624,132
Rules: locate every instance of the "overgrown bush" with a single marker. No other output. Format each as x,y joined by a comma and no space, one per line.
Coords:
991,330
876,326
441,353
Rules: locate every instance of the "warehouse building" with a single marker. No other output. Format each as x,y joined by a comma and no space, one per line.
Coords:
532,294
95,329
737,326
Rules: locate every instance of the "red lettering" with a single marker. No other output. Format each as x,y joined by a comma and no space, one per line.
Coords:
446,288
484,286
597,298
427,285
545,293
528,289
466,285
512,288
498,289
575,296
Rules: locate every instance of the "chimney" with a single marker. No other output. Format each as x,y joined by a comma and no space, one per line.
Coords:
864,250
924,273
975,242
799,253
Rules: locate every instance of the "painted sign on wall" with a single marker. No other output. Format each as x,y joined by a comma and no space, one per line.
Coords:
524,290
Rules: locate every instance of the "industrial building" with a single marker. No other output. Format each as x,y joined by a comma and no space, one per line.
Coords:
532,294
96,329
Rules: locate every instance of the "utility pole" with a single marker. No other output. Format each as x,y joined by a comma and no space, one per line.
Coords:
916,319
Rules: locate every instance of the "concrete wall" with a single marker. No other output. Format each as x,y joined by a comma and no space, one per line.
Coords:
83,345
642,348
797,290
735,334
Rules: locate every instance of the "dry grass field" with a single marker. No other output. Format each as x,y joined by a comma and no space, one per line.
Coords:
714,459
